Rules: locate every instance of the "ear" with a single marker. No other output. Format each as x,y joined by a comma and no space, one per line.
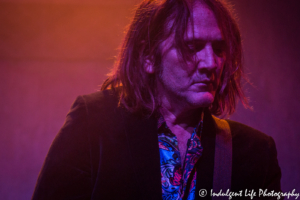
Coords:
148,66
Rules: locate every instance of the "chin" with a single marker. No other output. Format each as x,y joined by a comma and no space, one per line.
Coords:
203,99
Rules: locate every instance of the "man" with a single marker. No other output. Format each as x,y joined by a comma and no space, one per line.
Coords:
150,133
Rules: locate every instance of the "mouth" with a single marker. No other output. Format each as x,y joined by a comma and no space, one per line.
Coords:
205,84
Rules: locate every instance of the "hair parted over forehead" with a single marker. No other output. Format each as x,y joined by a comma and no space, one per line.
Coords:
154,22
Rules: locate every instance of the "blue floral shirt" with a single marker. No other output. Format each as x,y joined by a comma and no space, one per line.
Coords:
178,183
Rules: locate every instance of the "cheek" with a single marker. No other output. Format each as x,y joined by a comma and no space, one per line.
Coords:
173,66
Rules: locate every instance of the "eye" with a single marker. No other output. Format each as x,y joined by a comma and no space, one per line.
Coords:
195,46
219,48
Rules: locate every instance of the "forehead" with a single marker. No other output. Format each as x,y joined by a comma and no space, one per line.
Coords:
203,24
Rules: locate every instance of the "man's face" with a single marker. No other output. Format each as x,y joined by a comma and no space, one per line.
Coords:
194,82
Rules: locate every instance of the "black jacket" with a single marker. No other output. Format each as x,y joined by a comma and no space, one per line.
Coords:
104,152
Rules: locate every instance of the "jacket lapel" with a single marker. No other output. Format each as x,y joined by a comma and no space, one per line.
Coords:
223,157
143,144
205,165
214,167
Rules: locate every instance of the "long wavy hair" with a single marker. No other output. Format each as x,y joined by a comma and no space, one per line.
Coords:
142,43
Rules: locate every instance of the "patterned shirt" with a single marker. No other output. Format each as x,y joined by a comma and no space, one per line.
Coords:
178,183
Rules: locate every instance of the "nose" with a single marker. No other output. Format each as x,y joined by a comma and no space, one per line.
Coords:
206,58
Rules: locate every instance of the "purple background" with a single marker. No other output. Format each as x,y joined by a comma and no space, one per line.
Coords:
53,50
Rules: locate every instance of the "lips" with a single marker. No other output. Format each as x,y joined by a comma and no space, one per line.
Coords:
205,84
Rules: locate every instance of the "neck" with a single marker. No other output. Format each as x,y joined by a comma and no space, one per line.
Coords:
185,119
179,113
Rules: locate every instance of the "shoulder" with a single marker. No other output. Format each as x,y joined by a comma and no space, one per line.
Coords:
97,103
242,132
248,140
87,111
254,158
251,146
104,98
97,112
